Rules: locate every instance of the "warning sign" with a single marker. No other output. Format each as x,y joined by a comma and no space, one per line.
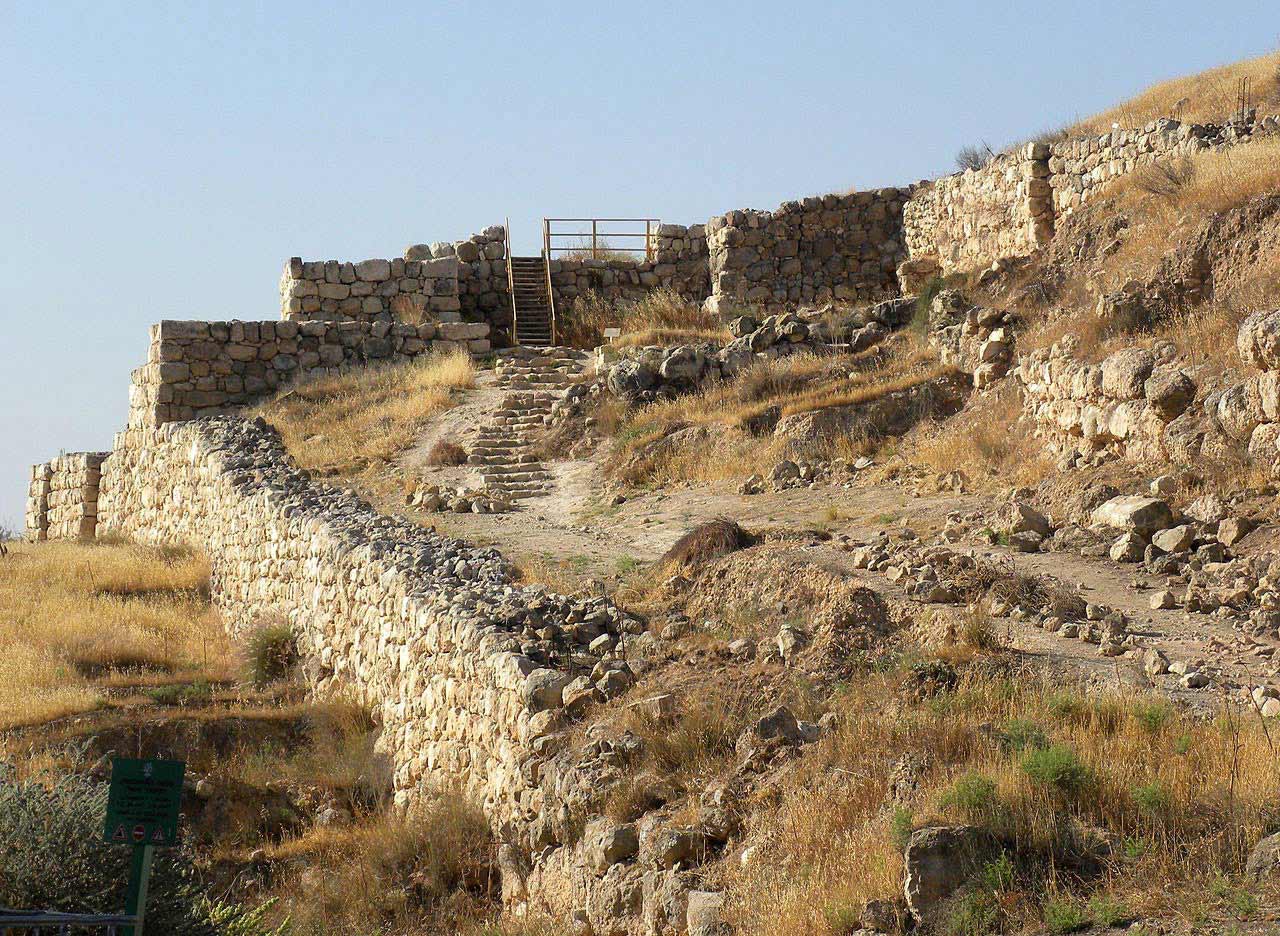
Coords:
143,803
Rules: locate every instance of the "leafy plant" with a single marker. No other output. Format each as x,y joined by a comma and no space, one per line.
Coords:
1021,734
974,794
1153,799
901,826
1107,910
1057,767
181,693
1063,916
271,653
1153,716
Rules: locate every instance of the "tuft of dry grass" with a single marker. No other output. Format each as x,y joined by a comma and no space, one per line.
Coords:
369,415
405,874
662,316
1037,762
705,542
77,619
1206,97
988,441
445,452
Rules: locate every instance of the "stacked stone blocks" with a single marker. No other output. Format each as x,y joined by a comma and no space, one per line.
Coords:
197,369
62,501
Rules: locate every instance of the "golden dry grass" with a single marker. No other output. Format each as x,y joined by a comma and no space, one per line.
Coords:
427,873
988,441
1206,97
770,388
77,619
369,415
659,317
1182,799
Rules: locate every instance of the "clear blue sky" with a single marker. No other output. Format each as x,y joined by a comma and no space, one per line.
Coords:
162,160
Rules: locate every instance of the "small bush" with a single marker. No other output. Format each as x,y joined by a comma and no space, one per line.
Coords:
901,826
974,794
1106,910
978,632
271,653
445,452
1020,734
974,157
1153,716
1166,179
1063,916
1057,767
706,542
1153,799
181,693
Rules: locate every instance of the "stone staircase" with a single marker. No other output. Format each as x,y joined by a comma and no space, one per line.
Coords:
533,309
534,378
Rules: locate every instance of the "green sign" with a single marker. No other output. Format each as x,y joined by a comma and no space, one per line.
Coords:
142,806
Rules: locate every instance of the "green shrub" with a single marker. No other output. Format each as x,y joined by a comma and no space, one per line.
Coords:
1021,734
1065,705
1106,910
272,653
1153,715
974,794
181,693
998,874
901,826
842,918
1063,916
1153,799
976,913
52,858
1057,767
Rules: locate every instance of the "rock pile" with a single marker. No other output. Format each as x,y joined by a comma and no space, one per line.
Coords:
974,340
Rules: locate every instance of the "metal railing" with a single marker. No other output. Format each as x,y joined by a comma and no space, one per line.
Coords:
592,241
33,922
511,284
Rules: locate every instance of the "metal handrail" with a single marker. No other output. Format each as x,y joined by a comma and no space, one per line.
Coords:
511,284
546,265
38,920
649,234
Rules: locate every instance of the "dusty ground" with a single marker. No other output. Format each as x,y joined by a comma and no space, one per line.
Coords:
579,535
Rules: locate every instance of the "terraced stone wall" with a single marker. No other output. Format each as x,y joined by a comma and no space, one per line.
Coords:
819,249
197,369
679,264
427,631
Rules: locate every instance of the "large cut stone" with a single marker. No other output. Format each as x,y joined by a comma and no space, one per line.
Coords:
1135,513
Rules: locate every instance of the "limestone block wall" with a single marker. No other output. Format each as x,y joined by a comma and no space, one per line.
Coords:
430,633
370,290
483,295
62,501
1144,404
197,369
1079,168
972,218
833,247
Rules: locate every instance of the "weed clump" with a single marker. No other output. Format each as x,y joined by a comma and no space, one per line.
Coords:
271,653
706,542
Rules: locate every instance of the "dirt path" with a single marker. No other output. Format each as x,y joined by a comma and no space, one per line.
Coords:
578,533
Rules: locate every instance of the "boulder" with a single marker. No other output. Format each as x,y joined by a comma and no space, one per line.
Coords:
1130,547
937,861
1233,529
544,689
1125,372
1174,539
1135,513
1024,518
704,915
780,723
1258,340
1264,860
606,842
1169,391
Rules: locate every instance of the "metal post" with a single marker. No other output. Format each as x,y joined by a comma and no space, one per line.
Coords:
593,239
135,903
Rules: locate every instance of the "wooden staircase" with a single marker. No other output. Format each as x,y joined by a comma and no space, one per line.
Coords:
531,305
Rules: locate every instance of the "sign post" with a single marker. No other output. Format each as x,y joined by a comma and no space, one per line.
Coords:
142,811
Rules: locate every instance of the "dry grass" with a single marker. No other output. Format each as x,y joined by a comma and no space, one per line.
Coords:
659,317
1207,97
738,415
1181,799
367,416
77,619
988,441
427,873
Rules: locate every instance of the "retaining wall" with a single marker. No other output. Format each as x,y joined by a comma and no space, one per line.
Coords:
197,369
820,249
970,219
427,631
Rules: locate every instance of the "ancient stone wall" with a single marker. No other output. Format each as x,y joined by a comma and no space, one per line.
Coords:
820,249
970,219
197,369
483,294
370,290
464,671
62,501
1080,167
